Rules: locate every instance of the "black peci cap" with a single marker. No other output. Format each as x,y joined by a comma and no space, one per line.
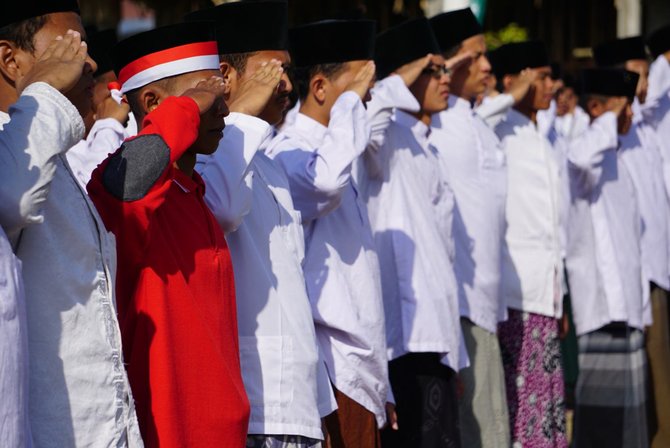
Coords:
619,51
511,59
332,41
27,9
163,52
247,26
452,28
659,41
608,82
404,43
100,46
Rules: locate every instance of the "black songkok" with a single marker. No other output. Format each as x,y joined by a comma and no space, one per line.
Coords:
511,59
619,51
27,9
404,43
609,82
163,52
452,28
332,41
659,41
100,45
248,26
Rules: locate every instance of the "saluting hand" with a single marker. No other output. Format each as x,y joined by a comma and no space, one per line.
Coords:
207,93
522,84
61,65
109,108
461,60
255,92
362,82
411,71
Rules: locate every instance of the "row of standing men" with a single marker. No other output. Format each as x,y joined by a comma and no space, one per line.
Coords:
386,243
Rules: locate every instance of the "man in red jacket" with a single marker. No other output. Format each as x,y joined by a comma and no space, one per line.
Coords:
176,298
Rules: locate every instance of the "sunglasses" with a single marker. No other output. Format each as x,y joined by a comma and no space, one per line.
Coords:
436,71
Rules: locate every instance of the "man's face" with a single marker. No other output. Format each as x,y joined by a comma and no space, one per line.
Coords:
279,103
541,91
471,79
431,88
641,67
566,100
212,121
57,25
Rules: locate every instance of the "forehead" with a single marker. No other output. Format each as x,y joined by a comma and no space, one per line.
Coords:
58,24
474,43
546,70
266,55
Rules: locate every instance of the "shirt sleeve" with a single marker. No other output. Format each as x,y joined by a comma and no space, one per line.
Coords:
43,124
586,154
105,137
493,110
226,172
657,103
318,176
132,183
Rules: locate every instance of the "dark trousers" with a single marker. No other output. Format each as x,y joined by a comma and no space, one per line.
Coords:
426,403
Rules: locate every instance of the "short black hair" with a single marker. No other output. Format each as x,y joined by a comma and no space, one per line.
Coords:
302,76
237,60
133,96
23,33
451,52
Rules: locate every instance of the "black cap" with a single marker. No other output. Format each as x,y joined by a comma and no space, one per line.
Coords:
511,59
608,82
407,42
27,9
163,52
247,26
619,51
452,28
332,41
100,45
659,41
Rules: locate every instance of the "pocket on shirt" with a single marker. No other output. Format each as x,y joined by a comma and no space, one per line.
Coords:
267,370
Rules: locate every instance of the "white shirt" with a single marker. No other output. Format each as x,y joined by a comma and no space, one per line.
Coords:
493,109
572,125
105,137
532,263
341,266
26,168
79,391
411,209
278,349
475,166
640,152
604,256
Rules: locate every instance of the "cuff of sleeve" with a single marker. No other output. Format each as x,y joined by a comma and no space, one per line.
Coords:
607,122
42,90
399,94
108,123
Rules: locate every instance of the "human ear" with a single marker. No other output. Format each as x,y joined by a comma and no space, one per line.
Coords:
229,75
150,98
318,87
9,62
507,82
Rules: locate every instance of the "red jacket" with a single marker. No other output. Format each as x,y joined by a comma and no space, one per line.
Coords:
175,292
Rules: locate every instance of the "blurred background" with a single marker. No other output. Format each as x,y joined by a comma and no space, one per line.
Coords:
569,27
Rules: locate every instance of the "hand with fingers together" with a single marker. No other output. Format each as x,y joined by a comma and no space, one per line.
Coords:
411,71
255,92
207,93
520,87
460,61
362,82
60,65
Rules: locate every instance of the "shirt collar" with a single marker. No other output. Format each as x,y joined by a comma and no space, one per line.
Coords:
313,130
517,118
458,103
420,130
4,118
189,184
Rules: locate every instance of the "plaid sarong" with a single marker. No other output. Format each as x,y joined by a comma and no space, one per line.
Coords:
611,391
281,441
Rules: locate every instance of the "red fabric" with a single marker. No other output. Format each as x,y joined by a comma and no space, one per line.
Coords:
176,300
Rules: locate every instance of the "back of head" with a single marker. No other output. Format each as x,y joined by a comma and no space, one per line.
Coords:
616,52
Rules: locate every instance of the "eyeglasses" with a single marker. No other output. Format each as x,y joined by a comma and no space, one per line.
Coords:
436,71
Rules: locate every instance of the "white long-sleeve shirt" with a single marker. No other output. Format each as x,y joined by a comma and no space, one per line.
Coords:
341,266
284,377
411,209
532,261
604,256
475,166
79,392
43,125
103,139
